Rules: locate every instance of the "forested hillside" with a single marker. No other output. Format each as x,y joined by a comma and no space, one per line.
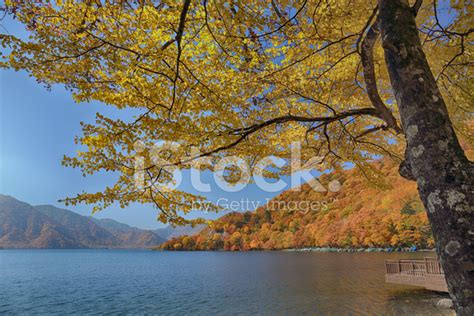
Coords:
360,214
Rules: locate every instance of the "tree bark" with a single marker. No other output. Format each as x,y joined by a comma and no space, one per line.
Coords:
434,158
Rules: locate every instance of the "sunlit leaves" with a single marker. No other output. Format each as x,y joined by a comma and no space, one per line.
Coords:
238,63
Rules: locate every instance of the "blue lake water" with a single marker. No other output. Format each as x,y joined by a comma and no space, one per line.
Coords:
202,283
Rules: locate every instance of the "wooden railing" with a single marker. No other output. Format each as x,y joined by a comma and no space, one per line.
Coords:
426,273
416,267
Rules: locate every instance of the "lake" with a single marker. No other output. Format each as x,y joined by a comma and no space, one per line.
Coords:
148,282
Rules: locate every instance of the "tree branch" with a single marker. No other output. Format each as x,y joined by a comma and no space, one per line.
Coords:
293,118
371,130
367,58
246,131
179,36
416,7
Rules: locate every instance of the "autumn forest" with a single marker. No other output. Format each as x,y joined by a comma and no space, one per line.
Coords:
362,214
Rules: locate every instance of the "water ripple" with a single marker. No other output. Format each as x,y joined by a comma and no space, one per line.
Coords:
202,283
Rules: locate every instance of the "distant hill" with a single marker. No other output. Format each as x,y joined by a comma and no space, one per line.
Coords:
170,232
22,226
148,237
361,214
130,237
46,226
82,229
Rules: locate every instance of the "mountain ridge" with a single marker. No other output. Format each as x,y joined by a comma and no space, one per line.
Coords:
170,232
21,226
46,226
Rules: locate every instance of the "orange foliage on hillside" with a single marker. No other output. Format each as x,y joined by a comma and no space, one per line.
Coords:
361,214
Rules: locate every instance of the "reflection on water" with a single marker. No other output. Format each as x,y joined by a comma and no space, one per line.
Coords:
101,281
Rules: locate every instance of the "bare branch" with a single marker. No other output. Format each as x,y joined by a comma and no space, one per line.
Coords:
416,7
179,36
367,58
246,131
371,130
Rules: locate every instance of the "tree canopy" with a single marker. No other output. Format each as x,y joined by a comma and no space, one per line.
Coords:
244,78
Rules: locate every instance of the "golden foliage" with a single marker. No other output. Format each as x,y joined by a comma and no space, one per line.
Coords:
243,78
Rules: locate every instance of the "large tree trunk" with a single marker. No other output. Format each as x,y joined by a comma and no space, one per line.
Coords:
434,158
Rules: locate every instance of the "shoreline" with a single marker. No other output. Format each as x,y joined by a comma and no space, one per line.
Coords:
352,250
310,249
